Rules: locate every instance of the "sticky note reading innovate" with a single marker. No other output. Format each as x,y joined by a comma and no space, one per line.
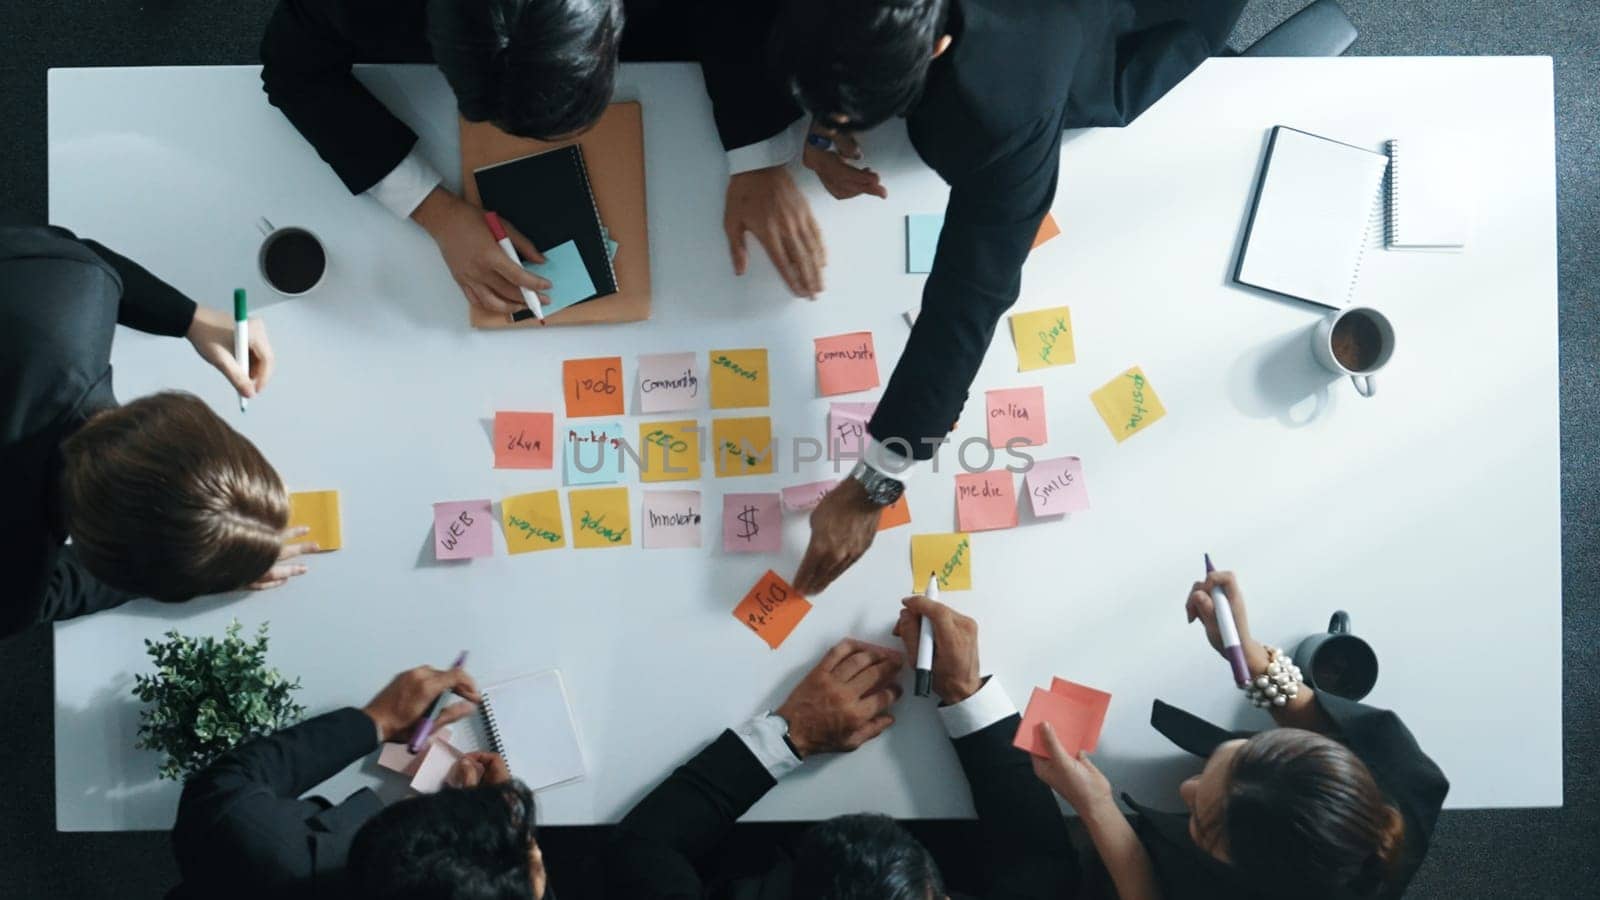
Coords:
1043,338
671,519
847,429
669,382
1128,404
1070,719
742,446
523,440
738,379
1055,486
594,453
846,363
593,387
802,497
319,511
463,529
532,522
772,609
669,451
569,278
947,556
751,523
986,500
1017,415
600,518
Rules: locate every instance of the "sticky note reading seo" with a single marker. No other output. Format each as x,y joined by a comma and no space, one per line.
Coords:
742,446
847,429
669,382
669,451
985,500
594,453
772,609
532,522
1055,486
1017,415
319,511
894,515
671,519
593,387
738,378
846,363
1043,338
600,518
523,440
947,556
751,523
1070,719
1128,404
802,497
463,529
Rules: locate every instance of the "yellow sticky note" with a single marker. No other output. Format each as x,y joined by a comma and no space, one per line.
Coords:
320,511
1043,338
742,446
670,451
600,518
1128,404
949,556
738,378
533,522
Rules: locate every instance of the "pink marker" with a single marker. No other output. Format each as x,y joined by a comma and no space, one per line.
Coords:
504,240
1231,648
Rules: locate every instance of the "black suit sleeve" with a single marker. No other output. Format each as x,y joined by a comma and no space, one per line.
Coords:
148,304
658,846
1025,837
748,100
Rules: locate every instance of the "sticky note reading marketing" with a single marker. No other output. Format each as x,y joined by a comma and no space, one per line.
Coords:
922,239
533,522
1099,702
846,363
319,511
669,451
802,497
671,519
742,446
593,387
738,378
1055,486
600,518
1043,338
594,453
669,382
1071,719
569,278
847,429
1128,404
894,515
523,440
1016,414
751,523
985,500
772,609
463,529
947,556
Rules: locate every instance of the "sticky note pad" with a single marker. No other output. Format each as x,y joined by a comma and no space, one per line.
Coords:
845,363
739,379
1047,230
802,497
1055,486
772,609
669,382
986,500
319,511
671,519
463,529
1128,404
568,276
922,239
1016,414
894,515
669,451
1099,702
524,440
600,518
1070,718
533,522
947,556
437,759
1043,338
593,387
847,429
593,453
751,523
742,446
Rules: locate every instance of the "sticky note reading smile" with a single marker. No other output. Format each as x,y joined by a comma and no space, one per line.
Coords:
593,387
319,511
772,609
738,378
845,363
600,518
1128,404
1055,486
947,556
1043,338
463,529
533,522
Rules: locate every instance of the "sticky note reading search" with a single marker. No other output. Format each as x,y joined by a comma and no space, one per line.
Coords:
846,363
947,556
742,446
802,497
594,453
600,518
751,523
1043,338
1017,415
532,522
894,515
593,387
922,239
319,511
1071,719
569,278
669,382
985,500
847,429
1099,702
1128,404
524,440
671,519
738,378
1055,486
669,451
463,529
772,609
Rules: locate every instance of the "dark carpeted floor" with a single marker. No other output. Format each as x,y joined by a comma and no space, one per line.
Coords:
1503,853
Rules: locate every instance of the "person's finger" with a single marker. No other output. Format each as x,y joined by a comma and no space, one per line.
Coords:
524,247
1083,759
773,244
504,291
261,355
1224,580
816,239
1201,607
847,146
1052,746
874,727
881,699
290,551
857,659
810,567
942,617
517,276
290,534
455,712
736,250
437,681
811,240
880,669
237,377
486,300
836,654
909,630
466,773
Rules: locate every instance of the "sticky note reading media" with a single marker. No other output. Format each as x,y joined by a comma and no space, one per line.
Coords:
1128,404
751,523
947,556
846,363
1055,486
463,529
772,609
569,278
319,511
532,522
600,518
671,519
986,500
1017,415
523,440
593,387
593,453
669,382
739,379
669,451
1043,338
847,429
1070,718
742,446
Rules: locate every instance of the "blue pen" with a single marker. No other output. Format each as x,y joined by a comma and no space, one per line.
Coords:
426,728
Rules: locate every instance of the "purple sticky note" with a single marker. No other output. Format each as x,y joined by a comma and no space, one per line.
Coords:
751,523
847,428
802,497
463,529
1055,486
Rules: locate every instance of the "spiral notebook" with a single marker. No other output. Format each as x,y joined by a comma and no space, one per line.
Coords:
528,721
1318,203
1429,196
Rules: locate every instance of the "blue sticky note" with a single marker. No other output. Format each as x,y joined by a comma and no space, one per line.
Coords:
593,452
569,277
922,237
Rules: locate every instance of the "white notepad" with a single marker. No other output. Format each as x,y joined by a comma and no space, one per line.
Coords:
1430,195
528,721
1317,202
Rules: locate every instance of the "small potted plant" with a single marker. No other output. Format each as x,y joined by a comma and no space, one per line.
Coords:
208,696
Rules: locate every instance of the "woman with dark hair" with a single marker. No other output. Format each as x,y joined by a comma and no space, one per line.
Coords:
1338,801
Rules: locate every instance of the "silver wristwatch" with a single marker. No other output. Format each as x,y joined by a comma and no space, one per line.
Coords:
881,489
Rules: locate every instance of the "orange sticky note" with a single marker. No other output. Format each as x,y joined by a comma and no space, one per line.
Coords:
1047,230
319,511
669,451
894,515
522,440
845,363
1070,718
742,446
986,500
738,378
772,609
593,387
1098,702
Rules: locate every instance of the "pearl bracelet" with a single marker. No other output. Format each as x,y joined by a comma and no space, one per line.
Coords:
1278,685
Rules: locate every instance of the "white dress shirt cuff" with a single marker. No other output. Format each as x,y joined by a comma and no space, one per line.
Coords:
778,150
404,188
988,706
763,734
890,461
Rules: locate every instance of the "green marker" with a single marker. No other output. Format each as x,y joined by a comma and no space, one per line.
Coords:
241,337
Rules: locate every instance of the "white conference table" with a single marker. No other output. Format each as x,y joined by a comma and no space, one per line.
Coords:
1431,512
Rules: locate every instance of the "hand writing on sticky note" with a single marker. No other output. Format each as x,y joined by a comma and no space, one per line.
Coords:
462,529
593,387
1043,338
1128,404
947,556
985,500
772,609
522,440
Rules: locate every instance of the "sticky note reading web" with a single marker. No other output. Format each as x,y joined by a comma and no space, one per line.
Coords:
772,609
319,511
894,515
593,453
1017,415
532,522
569,278
751,523
922,239
669,382
947,556
1071,719
803,497
463,529
524,440
985,500
742,446
739,378
1128,404
1098,702
1043,338
593,387
671,520
600,518
847,429
669,451
1055,486
846,363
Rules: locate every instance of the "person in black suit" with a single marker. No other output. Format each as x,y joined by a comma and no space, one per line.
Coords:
986,87
104,503
666,847
1338,801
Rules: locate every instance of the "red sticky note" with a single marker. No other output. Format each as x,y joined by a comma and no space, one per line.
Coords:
1016,414
522,440
986,500
894,515
772,609
1098,701
845,363
593,387
1070,718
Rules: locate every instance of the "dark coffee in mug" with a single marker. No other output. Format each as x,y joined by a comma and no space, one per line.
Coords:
292,261
1357,342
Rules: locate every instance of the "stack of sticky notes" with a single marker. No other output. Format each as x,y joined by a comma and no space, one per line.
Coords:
1075,712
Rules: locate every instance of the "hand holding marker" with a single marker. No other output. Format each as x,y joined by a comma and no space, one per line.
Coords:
1231,648
504,240
241,337
924,683
425,728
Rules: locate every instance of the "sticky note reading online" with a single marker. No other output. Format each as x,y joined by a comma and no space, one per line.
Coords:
669,451
986,500
846,363
947,556
739,378
751,523
1043,338
1055,486
772,609
671,519
1128,404
523,440
669,382
532,522
463,529
742,446
1016,414
594,453
600,518
593,387
319,511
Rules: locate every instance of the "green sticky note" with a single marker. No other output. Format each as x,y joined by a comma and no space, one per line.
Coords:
569,278
922,238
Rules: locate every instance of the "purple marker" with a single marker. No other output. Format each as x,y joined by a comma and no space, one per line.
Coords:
1231,648
426,728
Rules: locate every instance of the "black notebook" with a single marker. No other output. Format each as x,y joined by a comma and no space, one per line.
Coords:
547,196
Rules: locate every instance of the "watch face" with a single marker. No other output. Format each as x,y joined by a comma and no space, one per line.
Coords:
886,491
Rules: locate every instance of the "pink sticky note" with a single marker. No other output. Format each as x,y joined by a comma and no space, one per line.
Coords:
671,519
802,497
751,523
1055,486
1098,702
986,500
846,363
463,529
1070,718
396,757
847,428
1016,413
437,760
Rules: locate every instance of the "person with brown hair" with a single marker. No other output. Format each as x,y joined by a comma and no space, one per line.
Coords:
1338,801
158,498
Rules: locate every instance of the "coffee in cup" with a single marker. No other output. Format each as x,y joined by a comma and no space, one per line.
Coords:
292,260
1357,342
1337,661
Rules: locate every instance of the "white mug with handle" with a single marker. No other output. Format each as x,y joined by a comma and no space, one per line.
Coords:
1363,344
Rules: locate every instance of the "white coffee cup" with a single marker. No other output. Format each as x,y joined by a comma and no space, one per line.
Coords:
1322,346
